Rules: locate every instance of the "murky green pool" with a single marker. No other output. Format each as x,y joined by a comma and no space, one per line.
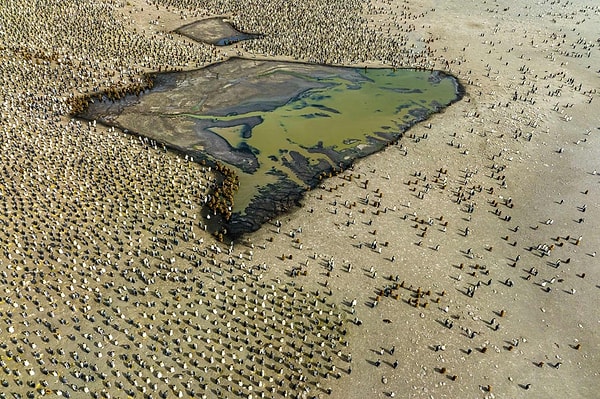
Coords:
277,122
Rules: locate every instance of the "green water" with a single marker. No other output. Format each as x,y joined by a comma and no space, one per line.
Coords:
253,115
341,116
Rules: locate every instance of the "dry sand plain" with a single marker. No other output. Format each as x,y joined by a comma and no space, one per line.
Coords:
460,263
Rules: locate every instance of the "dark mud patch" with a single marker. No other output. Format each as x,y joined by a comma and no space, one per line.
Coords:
217,31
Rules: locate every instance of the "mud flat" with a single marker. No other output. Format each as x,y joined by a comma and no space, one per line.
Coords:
282,126
217,31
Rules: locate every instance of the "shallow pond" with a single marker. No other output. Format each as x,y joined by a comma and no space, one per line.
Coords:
279,125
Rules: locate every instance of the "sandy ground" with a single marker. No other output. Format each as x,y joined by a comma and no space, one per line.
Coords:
466,254
496,53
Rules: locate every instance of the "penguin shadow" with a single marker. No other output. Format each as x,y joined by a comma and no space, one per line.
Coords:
373,298
528,271
370,304
470,336
443,323
347,303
